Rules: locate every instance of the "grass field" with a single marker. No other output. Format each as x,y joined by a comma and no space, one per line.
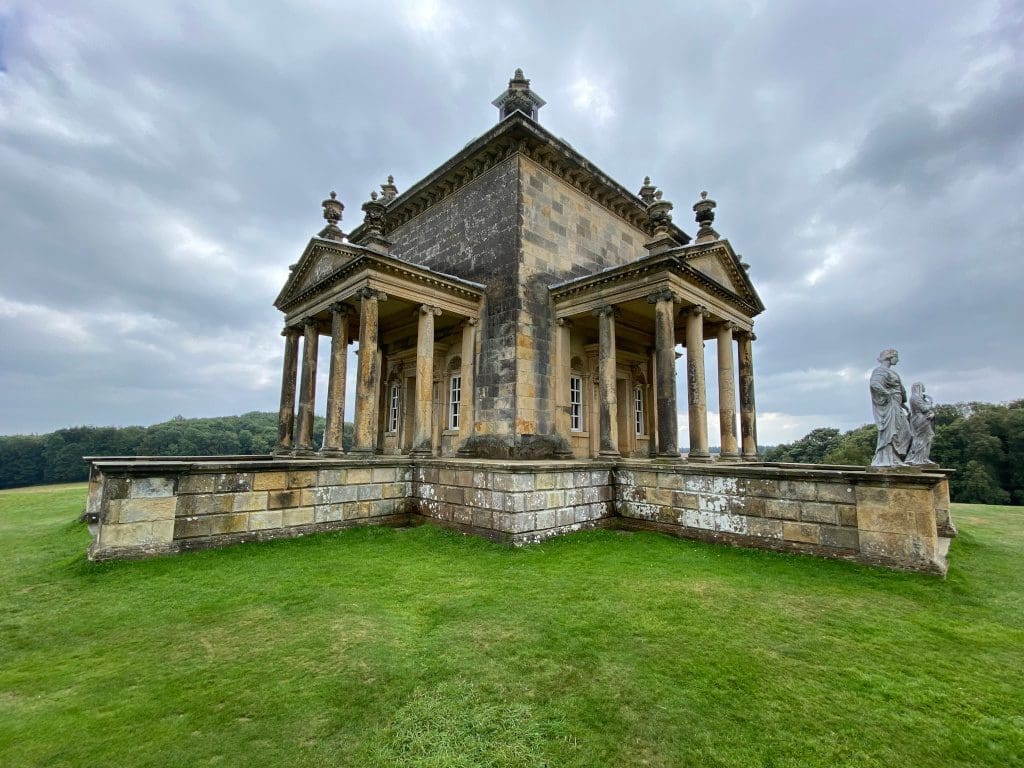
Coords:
420,647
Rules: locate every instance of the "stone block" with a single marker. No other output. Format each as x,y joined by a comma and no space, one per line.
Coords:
140,510
884,519
867,494
232,482
752,506
805,533
209,525
115,488
907,550
673,481
765,529
523,522
840,538
760,486
147,534
574,496
728,523
252,501
461,514
724,485
566,516
547,518
261,521
453,494
697,483
847,514
357,510
555,499
782,509
326,477
546,481
269,481
383,474
661,496
369,492
299,516
819,512
504,521
283,499
591,494
536,500
483,518
195,484
343,493
151,487
645,479
798,489
359,475
397,490
328,513
837,493
684,500
302,478
205,504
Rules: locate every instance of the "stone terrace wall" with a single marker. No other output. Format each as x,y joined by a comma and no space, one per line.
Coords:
879,518
157,506
518,504
149,506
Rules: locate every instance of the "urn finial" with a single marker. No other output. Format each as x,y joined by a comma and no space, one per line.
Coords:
705,216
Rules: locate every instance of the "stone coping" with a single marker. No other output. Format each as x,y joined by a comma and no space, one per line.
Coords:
791,471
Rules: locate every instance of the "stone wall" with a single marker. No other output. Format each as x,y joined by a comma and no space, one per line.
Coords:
565,234
895,519
474,234
887,519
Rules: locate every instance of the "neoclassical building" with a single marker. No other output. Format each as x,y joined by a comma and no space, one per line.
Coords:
519,302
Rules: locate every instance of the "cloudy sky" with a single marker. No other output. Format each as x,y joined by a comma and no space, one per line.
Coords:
162,164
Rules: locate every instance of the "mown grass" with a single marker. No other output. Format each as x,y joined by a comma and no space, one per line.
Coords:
420,647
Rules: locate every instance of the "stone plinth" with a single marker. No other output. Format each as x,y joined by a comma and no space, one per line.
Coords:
145,506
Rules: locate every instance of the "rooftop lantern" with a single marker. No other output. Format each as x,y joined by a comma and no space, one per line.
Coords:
518,98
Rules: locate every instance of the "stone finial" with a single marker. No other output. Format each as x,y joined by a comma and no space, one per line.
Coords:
518,98
659,212
374,213
333,208
705,215
389,191
647,191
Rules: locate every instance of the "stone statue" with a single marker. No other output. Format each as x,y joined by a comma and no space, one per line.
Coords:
922,414
888,402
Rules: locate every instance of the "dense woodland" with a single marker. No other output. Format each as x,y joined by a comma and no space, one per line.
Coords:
984,443
57,456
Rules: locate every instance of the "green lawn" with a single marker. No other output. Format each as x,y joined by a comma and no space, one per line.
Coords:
420,647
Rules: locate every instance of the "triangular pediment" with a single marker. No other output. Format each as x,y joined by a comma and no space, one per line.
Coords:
720,264
321,259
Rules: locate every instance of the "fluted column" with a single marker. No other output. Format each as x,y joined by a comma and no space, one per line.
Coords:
334,427
307,388
727,393
467,372
608,444
696,394
665,373
364,435
422,429
748,411
286,416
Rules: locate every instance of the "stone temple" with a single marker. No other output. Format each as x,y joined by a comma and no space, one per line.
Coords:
517,314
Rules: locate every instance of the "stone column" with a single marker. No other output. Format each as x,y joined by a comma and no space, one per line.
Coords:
307,388
364,436
696,395
609,410
467,372
727,393
563,370
665,373
422,429
748,411
286,416
336,381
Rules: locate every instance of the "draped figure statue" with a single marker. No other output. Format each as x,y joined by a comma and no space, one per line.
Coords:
888,403
922,414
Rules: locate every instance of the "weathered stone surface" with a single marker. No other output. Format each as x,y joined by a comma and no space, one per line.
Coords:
817,512
232,482
196,484
269,481
145,509
840,538
259,521
806,533
152,487
783,509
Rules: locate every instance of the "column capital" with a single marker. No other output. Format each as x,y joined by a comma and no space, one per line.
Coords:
311,321
341,308
749,335
728,325
370,293
427,309
696,309
664,295
470,322
564,322
605,311
291,330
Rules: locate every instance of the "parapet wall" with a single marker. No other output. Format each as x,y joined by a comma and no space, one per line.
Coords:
145,506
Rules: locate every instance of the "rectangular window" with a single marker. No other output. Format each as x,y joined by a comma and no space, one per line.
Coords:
638,409
575,403
454,401
393,409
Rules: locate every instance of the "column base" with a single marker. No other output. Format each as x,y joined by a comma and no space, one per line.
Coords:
609,454
663,457
304,451
700,457
727,457
361,453
332,453
282,452
751,457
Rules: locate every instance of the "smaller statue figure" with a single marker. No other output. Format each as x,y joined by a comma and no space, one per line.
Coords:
888,402
922,414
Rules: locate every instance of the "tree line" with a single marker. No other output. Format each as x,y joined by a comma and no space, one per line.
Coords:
983,442
57,457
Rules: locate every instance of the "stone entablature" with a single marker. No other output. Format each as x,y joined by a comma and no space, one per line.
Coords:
141,507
